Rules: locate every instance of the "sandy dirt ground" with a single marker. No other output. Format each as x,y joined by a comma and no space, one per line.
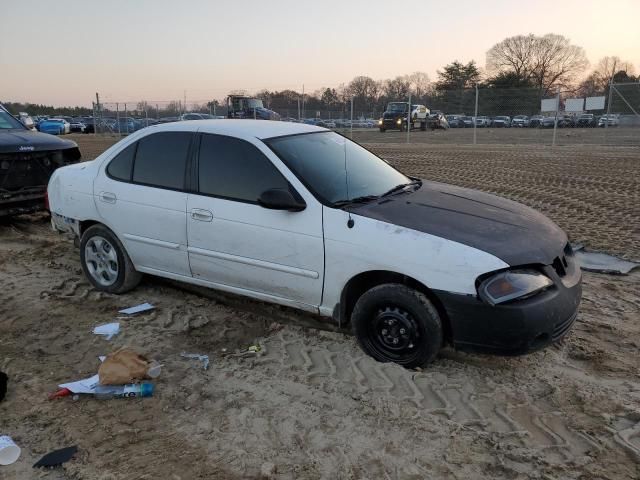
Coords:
310,405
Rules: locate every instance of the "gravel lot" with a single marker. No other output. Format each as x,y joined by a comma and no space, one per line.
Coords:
311,405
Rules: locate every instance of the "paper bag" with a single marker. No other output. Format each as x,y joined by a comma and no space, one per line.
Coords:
123,366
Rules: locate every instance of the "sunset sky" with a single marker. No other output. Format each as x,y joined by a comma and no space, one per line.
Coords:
62,52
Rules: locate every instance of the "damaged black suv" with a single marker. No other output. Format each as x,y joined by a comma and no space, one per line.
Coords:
27,160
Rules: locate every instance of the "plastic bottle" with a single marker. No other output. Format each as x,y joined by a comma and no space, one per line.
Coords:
106,392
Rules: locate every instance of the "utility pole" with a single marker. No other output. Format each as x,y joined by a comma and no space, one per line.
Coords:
96,115
184,105
475,122
303,100
409,119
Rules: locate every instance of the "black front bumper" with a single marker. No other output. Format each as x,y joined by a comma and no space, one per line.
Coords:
27,200
516,327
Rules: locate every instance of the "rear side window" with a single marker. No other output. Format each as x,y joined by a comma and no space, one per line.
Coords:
232,168
120,167
161,160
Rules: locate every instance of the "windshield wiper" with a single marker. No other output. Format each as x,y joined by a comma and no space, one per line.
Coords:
352,201
402,186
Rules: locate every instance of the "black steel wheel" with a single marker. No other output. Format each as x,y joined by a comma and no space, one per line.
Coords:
394,323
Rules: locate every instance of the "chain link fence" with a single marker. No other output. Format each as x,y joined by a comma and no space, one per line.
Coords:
515,116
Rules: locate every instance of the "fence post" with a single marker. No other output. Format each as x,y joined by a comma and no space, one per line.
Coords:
351,123
125,118
475,122
606,123
118,118
409,119
555,122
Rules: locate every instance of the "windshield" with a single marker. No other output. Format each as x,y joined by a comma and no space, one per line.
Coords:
8,122
254,103
396,107
318,160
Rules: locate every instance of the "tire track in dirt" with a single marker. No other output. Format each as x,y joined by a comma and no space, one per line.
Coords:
522,423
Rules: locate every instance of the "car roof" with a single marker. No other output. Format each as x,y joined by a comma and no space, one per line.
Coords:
261,129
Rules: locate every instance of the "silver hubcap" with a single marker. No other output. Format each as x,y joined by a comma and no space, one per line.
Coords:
101,260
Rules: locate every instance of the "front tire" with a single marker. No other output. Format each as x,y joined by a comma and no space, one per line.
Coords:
394,323
105,262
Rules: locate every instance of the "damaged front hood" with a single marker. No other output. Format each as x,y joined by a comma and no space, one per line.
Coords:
16,141
513,232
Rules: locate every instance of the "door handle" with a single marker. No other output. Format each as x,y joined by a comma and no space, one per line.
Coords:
107,197
201,215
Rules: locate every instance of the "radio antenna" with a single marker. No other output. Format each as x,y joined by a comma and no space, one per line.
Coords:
350,222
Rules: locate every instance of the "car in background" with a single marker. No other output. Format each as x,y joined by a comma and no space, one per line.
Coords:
468,122
548,122
55,126
332,124
455,121
27,160
125,125
437,121
501,122
520,121
483,122
77,126
89,124
536,121
196,116
611,120
566,121
26,120
587,120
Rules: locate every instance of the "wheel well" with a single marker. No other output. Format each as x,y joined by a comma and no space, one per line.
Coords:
362,282
85,225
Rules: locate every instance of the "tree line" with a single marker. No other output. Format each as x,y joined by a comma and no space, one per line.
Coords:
520,70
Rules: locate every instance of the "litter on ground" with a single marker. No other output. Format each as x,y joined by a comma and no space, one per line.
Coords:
57,457
203,358
602,262
108,330
143,307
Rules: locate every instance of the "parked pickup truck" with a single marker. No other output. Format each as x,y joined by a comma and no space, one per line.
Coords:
27,160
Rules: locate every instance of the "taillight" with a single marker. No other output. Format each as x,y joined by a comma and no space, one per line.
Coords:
46,200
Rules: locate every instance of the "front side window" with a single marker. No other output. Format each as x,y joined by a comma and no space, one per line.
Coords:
234,169
326,162
161,160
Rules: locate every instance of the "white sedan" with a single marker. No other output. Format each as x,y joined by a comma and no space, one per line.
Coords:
301,216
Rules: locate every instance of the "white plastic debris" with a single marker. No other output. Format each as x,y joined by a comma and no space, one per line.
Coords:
87,385
203,358
108,330
9,451
143,307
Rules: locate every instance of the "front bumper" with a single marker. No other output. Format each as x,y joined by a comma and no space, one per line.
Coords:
27,200
518,327
391,123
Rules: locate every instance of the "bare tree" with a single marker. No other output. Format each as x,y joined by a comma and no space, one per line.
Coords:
548,61
420,83
607,67
398,88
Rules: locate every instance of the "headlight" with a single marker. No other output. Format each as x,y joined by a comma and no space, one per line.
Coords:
399,121
513,284
380,122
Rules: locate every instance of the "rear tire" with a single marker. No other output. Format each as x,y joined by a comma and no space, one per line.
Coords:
394,323
105,262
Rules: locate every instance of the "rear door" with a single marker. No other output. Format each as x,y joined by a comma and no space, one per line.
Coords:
141,196
235,242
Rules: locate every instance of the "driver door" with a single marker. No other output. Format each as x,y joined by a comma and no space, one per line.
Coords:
234,242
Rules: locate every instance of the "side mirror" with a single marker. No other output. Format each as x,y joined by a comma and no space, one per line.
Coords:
280,199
